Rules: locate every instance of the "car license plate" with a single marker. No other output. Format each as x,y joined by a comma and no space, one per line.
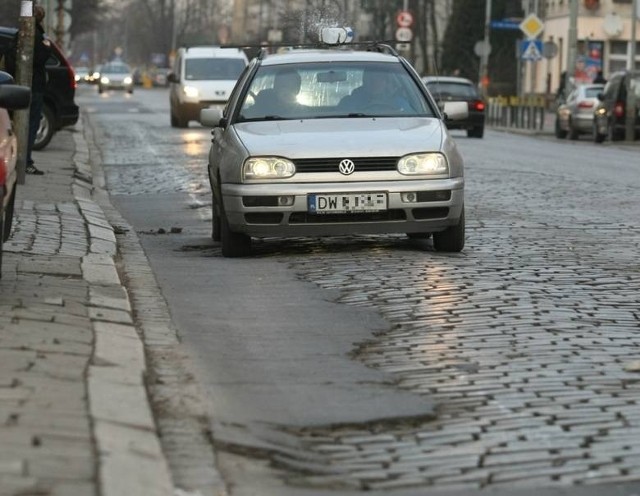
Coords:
341,203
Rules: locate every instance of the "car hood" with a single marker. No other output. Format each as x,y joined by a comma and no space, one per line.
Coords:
354,136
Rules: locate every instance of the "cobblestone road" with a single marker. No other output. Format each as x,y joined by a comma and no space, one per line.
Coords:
528,340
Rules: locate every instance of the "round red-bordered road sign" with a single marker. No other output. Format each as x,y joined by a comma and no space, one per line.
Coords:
404,19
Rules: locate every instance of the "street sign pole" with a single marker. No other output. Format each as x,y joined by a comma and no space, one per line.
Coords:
572,51
630,111
24,75
484,57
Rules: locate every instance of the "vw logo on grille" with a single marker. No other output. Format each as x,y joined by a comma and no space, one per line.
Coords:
346,167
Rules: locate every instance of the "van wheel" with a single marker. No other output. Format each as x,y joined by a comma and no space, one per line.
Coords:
46,130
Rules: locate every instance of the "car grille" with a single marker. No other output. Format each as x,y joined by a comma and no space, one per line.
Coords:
363,164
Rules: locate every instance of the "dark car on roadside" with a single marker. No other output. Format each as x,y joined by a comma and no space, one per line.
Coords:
610,115
60,109
12,97
448,89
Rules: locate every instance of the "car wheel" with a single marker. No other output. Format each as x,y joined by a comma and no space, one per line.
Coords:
215,221
5,232
46,130
573,132
476,132
613,134
452,238
560,133
1,240
233,244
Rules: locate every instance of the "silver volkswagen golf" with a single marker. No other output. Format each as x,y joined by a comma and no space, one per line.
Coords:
333,142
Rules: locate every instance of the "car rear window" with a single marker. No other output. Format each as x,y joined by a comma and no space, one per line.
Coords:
440,90
592,92
210,69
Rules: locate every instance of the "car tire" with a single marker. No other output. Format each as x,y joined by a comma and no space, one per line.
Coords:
5,232
2,229
215,222
452,238
597,137
476,132
46,130
181,122
559,132
613,134
233,244
573,132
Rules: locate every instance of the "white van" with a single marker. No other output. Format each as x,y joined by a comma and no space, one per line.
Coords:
202,77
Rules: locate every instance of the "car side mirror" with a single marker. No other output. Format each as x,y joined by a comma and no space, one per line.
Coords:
212,117
600,96
14,97
172,77
456,111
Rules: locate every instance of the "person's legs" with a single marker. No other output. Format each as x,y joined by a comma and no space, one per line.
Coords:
35,114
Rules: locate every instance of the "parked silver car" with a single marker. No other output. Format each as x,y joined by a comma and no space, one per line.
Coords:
334,142
575,116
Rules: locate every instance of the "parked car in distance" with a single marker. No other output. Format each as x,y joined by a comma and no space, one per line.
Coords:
160,77
115,76
202,77
575,116
610,117
311,144
12,97
446,89
60,109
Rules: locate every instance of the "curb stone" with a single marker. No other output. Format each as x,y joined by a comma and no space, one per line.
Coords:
130,458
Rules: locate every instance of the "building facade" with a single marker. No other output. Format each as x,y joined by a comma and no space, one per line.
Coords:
604,33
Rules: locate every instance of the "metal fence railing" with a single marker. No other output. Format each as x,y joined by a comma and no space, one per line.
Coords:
524,112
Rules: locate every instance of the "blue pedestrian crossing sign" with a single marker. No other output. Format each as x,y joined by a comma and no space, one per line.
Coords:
531,50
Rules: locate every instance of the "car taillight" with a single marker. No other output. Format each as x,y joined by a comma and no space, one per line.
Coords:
618,109
72,77
585,105
477,105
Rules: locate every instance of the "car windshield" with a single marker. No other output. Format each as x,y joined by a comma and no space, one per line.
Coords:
444,89
592,92
210,69
333,89
116,69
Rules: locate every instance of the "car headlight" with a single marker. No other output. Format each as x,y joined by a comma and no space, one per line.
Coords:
268,168
104,80
128,80
191,91
423,163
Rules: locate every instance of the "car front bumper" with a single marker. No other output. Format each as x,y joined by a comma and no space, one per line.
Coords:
439,206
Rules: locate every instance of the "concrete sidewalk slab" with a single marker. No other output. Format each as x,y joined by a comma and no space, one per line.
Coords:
75,418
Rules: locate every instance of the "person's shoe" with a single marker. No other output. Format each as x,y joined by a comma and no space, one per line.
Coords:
32,169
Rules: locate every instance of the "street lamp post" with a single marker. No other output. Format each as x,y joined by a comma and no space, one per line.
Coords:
572,51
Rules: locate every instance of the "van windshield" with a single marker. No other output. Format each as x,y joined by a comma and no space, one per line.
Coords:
210,69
